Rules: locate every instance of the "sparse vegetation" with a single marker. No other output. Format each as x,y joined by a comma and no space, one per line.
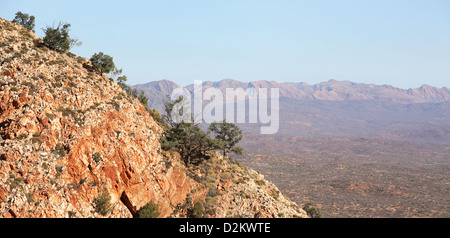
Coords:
21,137
198,210
384,181
227,136
59,150
30,198
103,63
58,38
115,104
15,182
36,138
66,111
191,141
185,137
213,192
150,210
71,214
25,20
102,203
312,210
49,116
96,157
225,176
155,114
260,182
275,193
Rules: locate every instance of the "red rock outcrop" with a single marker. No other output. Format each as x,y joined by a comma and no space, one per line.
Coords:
68,134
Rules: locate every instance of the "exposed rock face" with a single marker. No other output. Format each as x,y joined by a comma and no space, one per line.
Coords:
69,133
430,93
250,195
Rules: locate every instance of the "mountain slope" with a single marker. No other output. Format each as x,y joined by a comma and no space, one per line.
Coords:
74,144
157,92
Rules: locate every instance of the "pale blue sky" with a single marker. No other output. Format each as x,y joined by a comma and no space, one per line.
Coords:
405,43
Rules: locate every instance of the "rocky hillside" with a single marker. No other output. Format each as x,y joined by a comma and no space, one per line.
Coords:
74,144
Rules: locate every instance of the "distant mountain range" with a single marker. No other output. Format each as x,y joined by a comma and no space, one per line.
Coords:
157,92
331,90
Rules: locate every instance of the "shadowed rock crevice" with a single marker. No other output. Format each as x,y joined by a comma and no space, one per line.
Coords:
126,201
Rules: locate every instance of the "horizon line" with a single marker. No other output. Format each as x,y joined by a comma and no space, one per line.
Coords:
288,82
